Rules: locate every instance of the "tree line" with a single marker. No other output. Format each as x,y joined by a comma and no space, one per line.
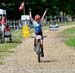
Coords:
38,6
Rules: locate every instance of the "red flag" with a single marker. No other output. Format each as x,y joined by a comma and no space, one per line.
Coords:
21,6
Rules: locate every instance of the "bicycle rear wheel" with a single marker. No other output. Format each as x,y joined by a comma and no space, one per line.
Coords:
38,50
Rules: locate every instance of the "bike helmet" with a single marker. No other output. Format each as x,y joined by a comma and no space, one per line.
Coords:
37,17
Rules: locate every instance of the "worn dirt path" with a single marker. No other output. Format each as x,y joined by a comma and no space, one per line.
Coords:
59,58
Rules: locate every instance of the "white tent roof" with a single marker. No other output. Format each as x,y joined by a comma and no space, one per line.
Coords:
2,11
25,17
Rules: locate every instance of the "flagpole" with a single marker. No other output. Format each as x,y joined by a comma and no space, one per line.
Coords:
24,7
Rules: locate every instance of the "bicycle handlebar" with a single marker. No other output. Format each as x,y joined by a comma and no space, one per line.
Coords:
35,36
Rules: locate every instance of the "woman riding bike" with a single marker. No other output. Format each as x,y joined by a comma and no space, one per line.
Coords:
37,23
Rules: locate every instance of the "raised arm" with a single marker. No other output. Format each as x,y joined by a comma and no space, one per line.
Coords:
30,14
44,14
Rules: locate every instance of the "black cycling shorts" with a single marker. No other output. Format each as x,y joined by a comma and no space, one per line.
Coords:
39,33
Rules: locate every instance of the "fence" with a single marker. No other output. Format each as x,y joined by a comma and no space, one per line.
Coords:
17,24
61,18
13,24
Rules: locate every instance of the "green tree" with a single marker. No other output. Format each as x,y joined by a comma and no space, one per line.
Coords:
38,7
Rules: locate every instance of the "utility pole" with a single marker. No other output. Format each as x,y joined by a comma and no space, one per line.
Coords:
24,7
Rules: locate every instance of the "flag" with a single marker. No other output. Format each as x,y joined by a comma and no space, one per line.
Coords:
21,6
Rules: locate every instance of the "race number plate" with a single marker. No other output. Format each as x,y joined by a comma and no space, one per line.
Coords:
38,37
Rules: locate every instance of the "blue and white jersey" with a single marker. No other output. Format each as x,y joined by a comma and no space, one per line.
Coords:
37,26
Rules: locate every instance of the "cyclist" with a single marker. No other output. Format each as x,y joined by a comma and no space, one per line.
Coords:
37,23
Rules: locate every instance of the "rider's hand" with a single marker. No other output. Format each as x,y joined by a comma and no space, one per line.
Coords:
46,9
29,9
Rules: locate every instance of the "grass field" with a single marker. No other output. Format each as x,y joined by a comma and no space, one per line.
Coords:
6,48
69,37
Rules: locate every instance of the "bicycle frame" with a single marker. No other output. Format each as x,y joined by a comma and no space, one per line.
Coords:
38,46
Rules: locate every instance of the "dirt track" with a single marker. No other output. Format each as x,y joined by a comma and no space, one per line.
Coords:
59,58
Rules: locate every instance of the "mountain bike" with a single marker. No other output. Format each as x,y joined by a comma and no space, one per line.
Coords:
38,46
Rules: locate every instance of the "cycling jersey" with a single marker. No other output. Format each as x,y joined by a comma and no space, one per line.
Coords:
37,26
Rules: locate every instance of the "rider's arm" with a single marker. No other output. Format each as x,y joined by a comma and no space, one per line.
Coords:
30,14
44,15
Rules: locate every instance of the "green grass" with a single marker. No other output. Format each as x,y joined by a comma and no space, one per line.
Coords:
6,48
70,42
69,37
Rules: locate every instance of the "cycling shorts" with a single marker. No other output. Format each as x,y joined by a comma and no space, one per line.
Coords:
39,33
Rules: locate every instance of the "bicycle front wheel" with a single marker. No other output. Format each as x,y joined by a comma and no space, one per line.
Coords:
38,51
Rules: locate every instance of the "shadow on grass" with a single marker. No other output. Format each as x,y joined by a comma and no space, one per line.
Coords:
13,42
7,51
16,42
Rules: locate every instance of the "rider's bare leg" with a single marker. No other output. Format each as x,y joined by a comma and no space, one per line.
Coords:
42,48
34,44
